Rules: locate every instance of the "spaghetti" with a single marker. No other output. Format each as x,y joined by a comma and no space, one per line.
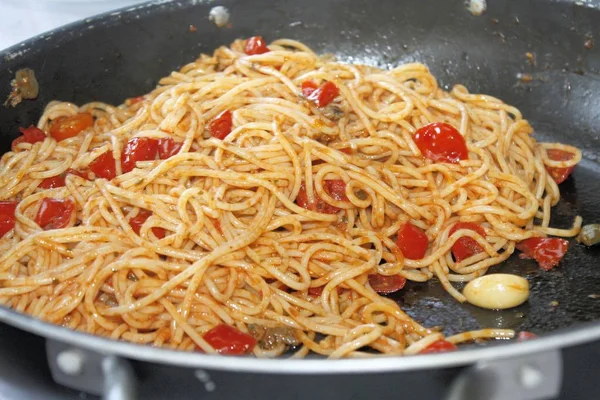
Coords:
274,191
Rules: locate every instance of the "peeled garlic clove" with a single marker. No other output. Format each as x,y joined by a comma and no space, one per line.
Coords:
497,291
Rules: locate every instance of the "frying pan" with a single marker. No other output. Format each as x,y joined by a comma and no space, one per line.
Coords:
123,54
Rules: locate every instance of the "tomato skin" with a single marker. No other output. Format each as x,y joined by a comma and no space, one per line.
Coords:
524,335
54,213
255,45
546,251
135,100
59,180
221,125
29,135
7,216
104,166
336,188
318,290
141,217
308,87
324,94
466,247
441,142
66,127
439,346
559,174
53,182
412,241
138,149
383,284
228,340
81,174
168,147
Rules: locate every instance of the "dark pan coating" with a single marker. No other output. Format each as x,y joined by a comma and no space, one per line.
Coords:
556,88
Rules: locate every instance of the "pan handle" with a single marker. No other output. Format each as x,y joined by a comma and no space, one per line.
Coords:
104,375
531,377
119,379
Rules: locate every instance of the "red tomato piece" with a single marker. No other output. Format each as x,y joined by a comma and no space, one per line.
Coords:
220,127
29,135
141,217
104,166
324,94
439,346
66,127
336,188
168,147
466,247
308,87
81,174
412,241
7,216
138,149
54,213
53,182
228,340
559,174
135,100
255,45
441,142
318,290
546,251
524,335
386,284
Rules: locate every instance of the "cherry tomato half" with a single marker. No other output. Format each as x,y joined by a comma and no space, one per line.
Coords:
318,290
221,126
441,142
466,247
336,188
559,174
412,241
104,166
168,147
386,284
138,149
524,335
141,217
255,45
7,216
53,182
54,213
82,174
29,135
546,251
324,94
66,127
439,346
308,87
228,340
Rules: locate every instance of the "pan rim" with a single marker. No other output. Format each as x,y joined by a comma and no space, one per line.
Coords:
556,340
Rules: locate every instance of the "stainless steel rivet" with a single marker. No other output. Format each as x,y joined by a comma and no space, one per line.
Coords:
70,362
210,386
202,375
530,376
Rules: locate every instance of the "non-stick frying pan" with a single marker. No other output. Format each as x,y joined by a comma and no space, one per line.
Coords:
123,54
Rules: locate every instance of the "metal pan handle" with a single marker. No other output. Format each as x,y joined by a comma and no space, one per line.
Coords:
531,377
104,375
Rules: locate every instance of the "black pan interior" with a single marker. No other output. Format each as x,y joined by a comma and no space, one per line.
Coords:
124,54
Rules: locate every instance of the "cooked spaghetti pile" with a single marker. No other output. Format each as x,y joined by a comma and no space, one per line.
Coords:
262,199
